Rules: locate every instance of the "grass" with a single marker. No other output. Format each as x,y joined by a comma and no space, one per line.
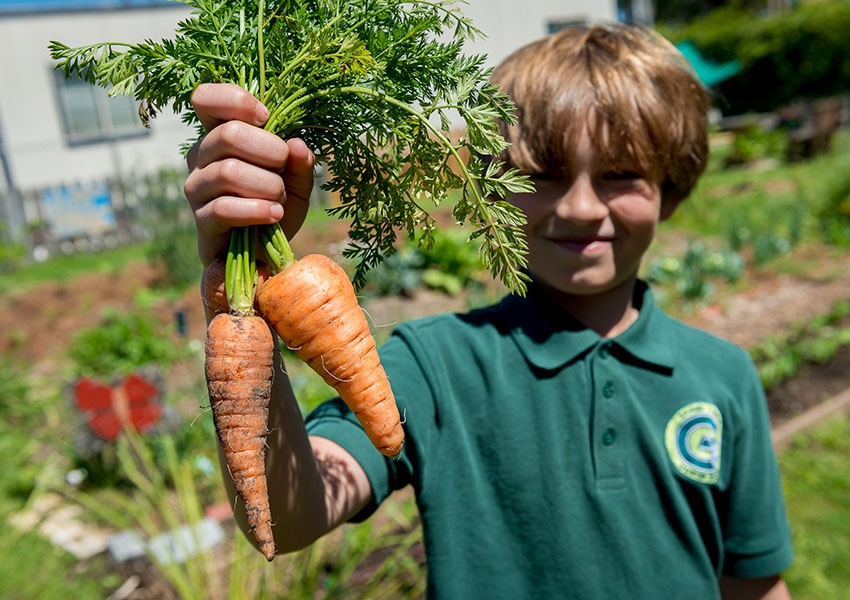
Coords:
65,268
33,568
817,485
33,434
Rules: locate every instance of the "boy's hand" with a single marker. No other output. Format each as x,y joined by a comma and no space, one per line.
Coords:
240,174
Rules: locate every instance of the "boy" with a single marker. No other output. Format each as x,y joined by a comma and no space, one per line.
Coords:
575,443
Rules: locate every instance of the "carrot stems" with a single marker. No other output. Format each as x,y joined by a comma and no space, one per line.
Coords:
277,249
240,279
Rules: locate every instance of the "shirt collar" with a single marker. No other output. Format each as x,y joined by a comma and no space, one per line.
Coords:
550,338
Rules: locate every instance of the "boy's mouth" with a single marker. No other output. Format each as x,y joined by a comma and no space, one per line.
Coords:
575,244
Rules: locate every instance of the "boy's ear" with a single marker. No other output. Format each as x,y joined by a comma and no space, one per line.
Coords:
668,207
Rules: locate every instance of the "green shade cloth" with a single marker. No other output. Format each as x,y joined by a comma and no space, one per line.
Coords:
710,73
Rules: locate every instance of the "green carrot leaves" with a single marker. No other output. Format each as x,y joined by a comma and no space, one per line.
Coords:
373,86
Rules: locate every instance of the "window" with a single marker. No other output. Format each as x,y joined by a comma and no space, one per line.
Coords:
89,115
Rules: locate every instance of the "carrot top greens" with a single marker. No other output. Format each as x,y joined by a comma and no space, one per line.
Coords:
372,86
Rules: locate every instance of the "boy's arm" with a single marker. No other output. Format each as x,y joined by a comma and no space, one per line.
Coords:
767,588
241,175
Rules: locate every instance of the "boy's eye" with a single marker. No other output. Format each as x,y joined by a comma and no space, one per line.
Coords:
542,177
621,176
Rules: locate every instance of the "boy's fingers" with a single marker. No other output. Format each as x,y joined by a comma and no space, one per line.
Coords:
215,219
239,140
298,178
232,177
215,103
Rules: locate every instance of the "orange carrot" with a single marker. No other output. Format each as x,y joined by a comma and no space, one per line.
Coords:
239,371
312,306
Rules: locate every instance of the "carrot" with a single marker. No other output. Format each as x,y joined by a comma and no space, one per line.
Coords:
213,290
312,306
239,371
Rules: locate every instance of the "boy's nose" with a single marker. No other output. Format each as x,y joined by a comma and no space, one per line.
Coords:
581,202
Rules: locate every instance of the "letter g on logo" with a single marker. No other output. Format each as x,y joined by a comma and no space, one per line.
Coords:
693,438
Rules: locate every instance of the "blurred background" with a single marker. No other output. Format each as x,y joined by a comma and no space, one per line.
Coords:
101,315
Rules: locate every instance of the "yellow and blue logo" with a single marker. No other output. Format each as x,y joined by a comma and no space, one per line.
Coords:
693,439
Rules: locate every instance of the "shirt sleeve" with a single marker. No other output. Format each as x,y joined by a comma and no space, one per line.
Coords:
756,531
335,421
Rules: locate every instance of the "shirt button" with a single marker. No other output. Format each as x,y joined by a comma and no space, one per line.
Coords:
609,389
604,350
609,437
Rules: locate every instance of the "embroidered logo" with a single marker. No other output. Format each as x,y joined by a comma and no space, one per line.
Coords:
693,439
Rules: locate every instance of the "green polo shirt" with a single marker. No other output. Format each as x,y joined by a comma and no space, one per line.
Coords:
550,462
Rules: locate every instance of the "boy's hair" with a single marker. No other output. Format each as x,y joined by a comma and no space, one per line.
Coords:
641,102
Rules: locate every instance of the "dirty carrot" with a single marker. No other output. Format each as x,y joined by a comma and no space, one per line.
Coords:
313,308
239,371
239,350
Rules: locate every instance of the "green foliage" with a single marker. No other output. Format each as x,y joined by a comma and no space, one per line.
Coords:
754,143
779,357
691,275
151,508
450,264
18,415
834,211
32,567
682,11
816,477
123,343
11,252
768,246
167,217
371,85
31,419
802,53
398,275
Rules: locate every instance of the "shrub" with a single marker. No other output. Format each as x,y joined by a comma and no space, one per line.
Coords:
450,265
169,221
124,342
834,213
802,53
11,252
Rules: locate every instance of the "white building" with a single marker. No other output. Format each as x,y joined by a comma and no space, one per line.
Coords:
56,133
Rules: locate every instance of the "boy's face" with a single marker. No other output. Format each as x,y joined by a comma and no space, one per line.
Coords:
588,231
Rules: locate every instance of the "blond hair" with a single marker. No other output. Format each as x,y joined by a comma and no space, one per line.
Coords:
634,93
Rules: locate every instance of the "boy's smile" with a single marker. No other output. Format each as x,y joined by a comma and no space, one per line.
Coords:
588,230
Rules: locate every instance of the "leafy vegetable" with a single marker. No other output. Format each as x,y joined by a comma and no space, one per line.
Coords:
371,85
